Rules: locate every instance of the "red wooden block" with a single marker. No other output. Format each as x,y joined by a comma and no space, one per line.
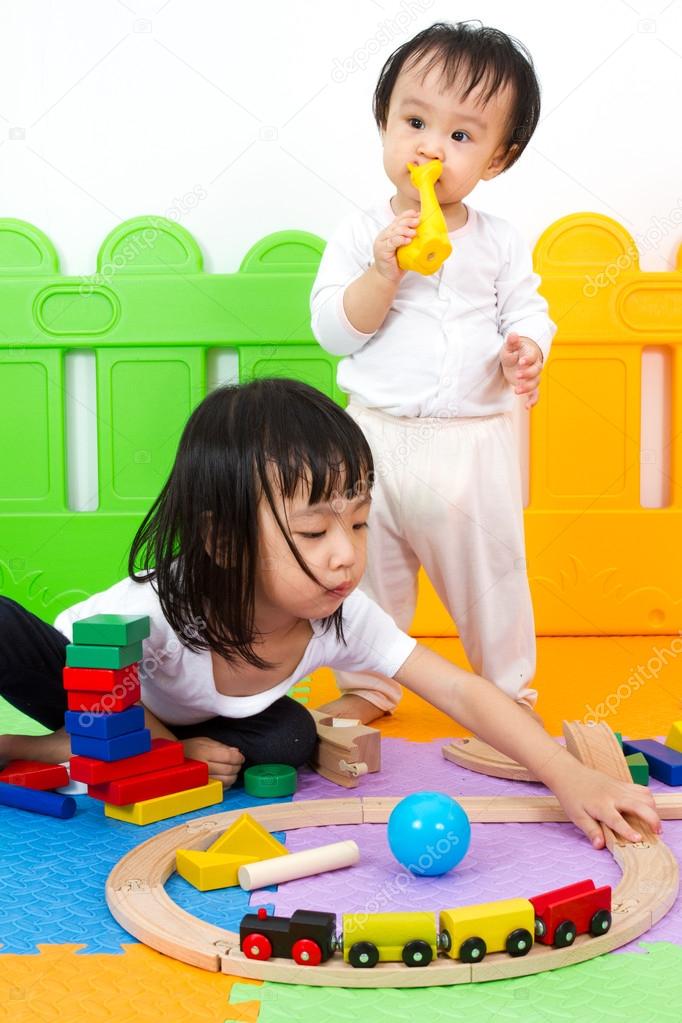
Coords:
103,703
100,680
34,774
189,775
164,753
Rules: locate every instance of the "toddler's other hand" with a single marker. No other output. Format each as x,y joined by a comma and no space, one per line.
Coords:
521,361
400,232
224,762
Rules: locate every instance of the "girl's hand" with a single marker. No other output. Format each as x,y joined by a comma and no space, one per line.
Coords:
589,797
224,762
521,361
400,232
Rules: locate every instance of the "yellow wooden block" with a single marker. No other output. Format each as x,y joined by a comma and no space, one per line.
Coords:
248,838
148,811
207,871
674,740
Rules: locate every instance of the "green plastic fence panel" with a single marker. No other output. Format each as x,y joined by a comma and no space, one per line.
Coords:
151,315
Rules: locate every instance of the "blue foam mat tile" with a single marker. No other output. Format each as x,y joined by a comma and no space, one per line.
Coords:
53,873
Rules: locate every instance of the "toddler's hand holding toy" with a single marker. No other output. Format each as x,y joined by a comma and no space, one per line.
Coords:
521,361
398,233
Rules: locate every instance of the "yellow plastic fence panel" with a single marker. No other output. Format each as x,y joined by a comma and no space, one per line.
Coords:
599,563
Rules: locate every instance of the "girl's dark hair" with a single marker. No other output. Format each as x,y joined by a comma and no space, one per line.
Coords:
199,540
480,54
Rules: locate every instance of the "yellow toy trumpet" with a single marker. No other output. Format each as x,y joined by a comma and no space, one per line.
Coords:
431,246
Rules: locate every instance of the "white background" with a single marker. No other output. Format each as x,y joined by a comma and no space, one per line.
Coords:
114,108
110,109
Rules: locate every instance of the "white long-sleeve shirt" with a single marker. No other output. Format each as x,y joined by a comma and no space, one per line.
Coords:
437,353
177,683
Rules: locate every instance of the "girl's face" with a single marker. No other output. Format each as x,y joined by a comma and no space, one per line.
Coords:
331,537
426,123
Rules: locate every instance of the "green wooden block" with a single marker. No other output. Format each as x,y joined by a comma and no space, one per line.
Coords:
620,739
639,768
102,656
111,630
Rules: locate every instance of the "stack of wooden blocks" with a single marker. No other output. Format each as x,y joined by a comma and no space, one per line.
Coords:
140,780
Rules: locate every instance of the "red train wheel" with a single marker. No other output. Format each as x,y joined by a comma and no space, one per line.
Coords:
257,946
306,952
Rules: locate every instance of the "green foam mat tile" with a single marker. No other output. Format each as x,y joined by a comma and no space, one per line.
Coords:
609,989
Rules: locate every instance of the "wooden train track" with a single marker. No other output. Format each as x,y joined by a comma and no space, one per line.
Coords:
138,900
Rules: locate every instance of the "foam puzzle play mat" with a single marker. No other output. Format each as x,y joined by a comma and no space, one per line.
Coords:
409,871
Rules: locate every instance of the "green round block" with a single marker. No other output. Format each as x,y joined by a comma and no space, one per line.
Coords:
266,780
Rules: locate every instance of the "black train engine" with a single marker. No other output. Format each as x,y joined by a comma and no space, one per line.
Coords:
307,937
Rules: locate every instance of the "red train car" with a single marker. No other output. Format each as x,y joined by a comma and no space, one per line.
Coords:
579,908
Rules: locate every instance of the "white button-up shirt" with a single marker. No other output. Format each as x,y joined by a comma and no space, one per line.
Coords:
437,353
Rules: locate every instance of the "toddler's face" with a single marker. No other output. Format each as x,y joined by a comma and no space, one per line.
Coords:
425,123
332,540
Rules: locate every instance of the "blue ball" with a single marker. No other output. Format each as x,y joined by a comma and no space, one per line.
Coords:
428,833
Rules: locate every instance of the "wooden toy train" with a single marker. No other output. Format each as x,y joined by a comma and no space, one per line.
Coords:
466,933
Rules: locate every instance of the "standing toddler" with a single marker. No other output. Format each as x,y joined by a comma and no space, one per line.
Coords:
432,364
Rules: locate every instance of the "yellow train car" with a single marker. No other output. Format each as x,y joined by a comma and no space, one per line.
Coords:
468,932
371,938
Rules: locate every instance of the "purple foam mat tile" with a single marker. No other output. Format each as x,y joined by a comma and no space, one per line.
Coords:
410,767
504,860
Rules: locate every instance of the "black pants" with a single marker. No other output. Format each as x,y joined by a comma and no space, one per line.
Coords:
33,654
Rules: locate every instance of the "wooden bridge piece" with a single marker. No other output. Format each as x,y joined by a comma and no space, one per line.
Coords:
344,754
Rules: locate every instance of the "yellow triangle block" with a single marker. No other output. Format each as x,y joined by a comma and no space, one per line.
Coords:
674,740
207,870
246,837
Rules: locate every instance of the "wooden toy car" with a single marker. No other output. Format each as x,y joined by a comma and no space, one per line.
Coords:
562,914
469,932
370,938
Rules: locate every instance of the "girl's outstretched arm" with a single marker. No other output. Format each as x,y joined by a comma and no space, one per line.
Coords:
587,796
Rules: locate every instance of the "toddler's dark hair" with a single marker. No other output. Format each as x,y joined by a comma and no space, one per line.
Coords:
199,541
479,54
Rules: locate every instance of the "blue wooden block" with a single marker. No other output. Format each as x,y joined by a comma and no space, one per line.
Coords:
104,726
52,804
118,748
665,764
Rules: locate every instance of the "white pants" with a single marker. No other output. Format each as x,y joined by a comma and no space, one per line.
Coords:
447,495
